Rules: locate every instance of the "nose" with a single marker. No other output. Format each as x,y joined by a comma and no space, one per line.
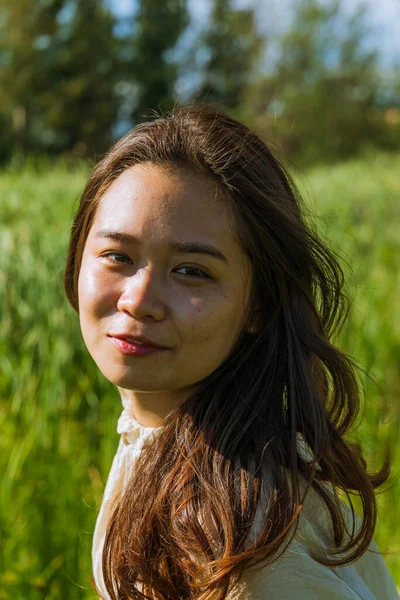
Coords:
142,296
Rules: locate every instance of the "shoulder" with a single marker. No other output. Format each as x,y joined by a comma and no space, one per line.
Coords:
296,574
368,576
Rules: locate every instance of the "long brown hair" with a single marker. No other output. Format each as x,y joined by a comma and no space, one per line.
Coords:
284,383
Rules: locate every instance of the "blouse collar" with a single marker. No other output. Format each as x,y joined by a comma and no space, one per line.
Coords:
131,430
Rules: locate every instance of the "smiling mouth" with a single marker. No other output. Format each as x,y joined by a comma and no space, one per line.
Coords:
139,340
135,348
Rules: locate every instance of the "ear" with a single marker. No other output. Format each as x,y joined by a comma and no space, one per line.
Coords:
254,327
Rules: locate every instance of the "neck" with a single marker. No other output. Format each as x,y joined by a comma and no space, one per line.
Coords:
151,408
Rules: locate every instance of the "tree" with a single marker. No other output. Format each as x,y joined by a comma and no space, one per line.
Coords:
233,45
321,100
81,103
158,28
27,29
57,80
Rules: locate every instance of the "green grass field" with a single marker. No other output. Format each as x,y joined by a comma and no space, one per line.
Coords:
58,414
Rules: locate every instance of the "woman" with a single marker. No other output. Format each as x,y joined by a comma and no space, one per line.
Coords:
206,299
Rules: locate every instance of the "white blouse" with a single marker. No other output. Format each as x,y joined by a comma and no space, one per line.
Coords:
294,575
134,437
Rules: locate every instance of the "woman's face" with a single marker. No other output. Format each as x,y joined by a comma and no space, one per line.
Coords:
192,303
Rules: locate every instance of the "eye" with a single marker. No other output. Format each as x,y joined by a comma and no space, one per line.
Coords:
197,272
110,254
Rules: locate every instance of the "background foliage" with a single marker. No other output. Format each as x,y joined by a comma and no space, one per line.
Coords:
58,414
73,78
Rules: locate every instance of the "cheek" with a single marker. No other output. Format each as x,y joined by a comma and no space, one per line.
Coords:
214,319
93,290
86,291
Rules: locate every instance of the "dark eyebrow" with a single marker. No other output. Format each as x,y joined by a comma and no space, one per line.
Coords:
179,246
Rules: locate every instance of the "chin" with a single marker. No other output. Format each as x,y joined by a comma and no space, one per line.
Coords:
128,381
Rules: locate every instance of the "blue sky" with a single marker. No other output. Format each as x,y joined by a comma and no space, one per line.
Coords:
384,16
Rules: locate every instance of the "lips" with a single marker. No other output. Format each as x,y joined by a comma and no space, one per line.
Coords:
134,348
139,339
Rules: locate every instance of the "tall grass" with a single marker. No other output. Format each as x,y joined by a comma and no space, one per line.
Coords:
58,413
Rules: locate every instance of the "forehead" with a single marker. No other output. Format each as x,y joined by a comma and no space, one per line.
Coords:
152,201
